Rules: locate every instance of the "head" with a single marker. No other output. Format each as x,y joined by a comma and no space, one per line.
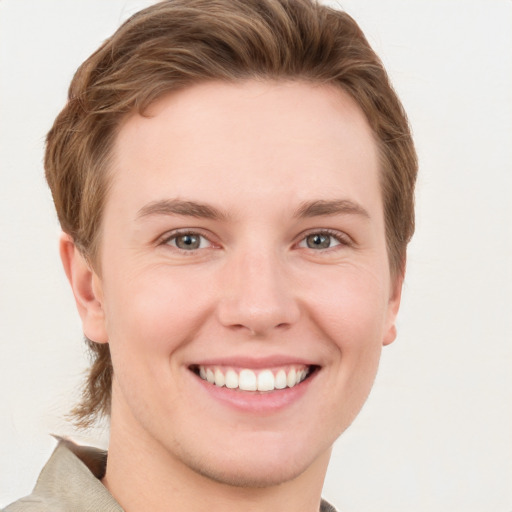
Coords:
176,45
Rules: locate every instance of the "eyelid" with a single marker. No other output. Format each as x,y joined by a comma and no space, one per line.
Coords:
343,238
173,234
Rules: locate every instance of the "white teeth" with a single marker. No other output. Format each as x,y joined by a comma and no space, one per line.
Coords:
220,380
291,379
231,379
249,380
266,381
280,382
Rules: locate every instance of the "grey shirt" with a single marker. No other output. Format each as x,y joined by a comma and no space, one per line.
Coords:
71,481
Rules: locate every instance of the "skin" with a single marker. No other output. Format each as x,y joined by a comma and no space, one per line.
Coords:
264,155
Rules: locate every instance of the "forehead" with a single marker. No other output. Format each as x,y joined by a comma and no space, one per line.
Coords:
249,137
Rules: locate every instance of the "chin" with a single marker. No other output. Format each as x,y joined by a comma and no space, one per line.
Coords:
256,464
249,475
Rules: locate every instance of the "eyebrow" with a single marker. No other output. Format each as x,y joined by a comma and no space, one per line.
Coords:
200,210
335,207
180,207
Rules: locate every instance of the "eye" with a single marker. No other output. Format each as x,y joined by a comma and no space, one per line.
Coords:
188,241
321,240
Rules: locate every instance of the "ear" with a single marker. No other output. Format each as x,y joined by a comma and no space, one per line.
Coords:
87,289
393,307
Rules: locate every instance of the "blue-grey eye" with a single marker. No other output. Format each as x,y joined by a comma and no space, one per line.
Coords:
188,241
319,241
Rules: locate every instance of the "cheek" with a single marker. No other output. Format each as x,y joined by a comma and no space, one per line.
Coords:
152,314
150,319
351,307
353,324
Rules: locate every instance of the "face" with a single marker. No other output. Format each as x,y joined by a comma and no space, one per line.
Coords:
244,285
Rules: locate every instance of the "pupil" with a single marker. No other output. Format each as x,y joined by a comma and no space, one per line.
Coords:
187,242
318,241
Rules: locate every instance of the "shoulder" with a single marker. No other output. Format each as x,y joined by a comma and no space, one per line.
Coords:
326,507
70,481
29,504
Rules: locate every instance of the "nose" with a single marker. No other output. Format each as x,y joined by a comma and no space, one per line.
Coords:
257,295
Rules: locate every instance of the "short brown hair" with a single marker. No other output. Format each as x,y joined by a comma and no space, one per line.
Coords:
177,43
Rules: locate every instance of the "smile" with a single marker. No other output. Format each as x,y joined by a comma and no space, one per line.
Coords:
246,379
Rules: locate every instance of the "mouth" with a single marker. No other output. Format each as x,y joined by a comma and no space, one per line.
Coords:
260,380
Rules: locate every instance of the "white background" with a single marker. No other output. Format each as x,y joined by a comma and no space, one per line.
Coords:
436,433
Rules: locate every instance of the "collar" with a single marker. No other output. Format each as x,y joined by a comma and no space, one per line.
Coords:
70,480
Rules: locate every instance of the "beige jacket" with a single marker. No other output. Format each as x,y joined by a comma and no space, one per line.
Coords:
71,482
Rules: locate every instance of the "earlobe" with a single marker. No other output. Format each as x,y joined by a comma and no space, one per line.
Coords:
86,286
393,307
390,335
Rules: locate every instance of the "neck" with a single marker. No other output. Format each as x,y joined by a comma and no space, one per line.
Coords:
143,475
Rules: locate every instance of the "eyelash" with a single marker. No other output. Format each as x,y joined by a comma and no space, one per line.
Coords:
341,238
182,233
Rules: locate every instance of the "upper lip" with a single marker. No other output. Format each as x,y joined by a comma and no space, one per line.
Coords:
254,363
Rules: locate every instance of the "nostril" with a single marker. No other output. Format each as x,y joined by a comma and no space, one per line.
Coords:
256,294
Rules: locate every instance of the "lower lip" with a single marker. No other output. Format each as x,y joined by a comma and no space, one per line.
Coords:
257,401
